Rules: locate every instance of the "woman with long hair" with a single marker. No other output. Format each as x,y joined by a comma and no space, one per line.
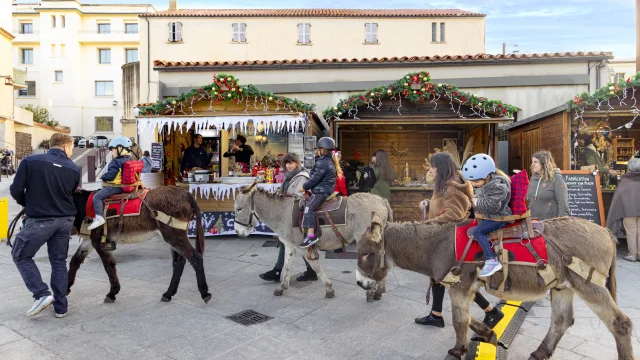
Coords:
451,202
384,174
547,194
341,180
625,207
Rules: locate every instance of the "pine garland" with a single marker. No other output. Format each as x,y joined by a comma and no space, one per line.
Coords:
417,88
604,94
225,88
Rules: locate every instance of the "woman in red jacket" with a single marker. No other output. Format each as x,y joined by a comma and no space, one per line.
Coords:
341,181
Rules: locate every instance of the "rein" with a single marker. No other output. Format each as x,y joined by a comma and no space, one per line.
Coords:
253,214
12,226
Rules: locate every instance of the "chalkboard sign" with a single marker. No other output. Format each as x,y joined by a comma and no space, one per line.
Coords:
585,195
156,156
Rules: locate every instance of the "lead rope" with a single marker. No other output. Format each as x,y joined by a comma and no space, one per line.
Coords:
428,297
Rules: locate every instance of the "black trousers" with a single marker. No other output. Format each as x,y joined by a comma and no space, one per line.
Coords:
438,297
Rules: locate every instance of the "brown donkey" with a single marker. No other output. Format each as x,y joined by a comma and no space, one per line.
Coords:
429,249
172,201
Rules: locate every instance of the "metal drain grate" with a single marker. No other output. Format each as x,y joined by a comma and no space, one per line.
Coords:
249,317
270,243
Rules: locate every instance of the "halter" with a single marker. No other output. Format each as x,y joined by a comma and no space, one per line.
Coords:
253,214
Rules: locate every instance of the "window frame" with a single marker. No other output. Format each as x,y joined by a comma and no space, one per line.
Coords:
434,32
55,76
306,32
126,25
175,32
108,24
22,26
239,33
53,21
63,21
126,55
22,57
370,33
27,89
96,118
100,56
442,33
103,82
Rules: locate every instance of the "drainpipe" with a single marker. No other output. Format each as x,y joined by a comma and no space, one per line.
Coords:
148,58
637,36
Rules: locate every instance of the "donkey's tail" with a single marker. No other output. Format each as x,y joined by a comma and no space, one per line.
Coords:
389,211
612,284
199,228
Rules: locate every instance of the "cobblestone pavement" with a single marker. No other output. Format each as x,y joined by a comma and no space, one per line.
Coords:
305,325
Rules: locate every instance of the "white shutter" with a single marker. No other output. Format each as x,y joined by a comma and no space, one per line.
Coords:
300,33
307,30
234,28
243,32
170,31
374,32
178,33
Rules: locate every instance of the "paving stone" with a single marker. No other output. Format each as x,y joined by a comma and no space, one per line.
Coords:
7,335
24,349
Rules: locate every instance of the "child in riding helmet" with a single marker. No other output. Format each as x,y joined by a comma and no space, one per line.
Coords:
120,149
491,200
321,183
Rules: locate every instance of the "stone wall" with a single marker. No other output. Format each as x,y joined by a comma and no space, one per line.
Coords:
23,145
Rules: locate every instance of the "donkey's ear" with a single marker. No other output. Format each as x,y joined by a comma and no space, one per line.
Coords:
250,188
376,227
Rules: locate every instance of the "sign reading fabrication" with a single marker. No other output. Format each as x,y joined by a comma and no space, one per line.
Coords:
585,195
156,156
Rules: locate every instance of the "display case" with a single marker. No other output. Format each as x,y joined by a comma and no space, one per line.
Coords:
623,149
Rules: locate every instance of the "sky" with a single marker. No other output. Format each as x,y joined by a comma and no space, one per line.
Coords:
535,26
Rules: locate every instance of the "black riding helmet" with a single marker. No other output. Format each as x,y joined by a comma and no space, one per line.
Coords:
326,143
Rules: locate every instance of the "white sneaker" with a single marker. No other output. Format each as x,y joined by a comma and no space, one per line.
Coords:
39,305
490,267
96,223
60,316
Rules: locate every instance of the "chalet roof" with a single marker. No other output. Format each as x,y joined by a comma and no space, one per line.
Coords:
336,13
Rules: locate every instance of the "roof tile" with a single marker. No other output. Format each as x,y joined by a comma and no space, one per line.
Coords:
313,13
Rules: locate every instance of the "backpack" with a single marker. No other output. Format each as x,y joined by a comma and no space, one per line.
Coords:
131,174
367,180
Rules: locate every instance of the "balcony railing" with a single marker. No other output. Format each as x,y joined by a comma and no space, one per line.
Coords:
19,78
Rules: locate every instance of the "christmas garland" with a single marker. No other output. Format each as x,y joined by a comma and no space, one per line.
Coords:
606,93
417,88
224,88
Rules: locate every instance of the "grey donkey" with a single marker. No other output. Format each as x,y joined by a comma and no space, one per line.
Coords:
429,249
253,204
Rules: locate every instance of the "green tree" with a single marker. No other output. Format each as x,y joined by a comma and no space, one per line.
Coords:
41,115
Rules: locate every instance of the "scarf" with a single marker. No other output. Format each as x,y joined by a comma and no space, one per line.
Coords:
287,178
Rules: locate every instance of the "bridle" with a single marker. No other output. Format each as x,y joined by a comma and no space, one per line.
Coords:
249,224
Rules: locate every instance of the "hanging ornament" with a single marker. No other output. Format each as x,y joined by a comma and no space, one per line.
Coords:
389,92
628,125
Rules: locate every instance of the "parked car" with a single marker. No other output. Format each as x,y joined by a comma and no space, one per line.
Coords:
95,141
76,139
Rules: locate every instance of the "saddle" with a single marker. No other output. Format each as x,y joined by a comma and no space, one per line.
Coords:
330,214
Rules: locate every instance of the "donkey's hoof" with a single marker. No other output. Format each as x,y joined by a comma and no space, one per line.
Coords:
206,298
369,297
377,296
493,339
278,292
452,357
109,300
165,298
330,294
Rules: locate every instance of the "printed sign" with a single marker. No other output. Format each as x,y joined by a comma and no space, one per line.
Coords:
221,223
156,156
585,195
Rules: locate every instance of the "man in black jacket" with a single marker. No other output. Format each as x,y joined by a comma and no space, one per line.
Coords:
195,156
44,185
240,150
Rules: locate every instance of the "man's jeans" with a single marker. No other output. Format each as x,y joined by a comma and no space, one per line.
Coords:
99,197
481,232
55,232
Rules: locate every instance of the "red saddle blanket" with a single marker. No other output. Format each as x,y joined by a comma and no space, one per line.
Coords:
517,251
113,205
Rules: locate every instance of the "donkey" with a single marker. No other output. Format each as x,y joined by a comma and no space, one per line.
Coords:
429,249
172,201
253,204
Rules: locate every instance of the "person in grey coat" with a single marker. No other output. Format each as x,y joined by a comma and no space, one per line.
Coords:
294,178
624,211
547,195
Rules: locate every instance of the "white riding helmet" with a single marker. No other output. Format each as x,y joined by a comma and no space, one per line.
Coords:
123,141
478,167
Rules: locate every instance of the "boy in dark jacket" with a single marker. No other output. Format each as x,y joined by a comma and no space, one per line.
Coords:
321,183
120,148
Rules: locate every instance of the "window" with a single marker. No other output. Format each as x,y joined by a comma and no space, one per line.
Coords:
62,50
26,28
104,56
175,32
53,21
131,28
132,55
63,21
53,50
104,123
304,33
27,56
104,28
619,76
58,76
441,32
104,88
30,90
434,32
239,32
371,33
